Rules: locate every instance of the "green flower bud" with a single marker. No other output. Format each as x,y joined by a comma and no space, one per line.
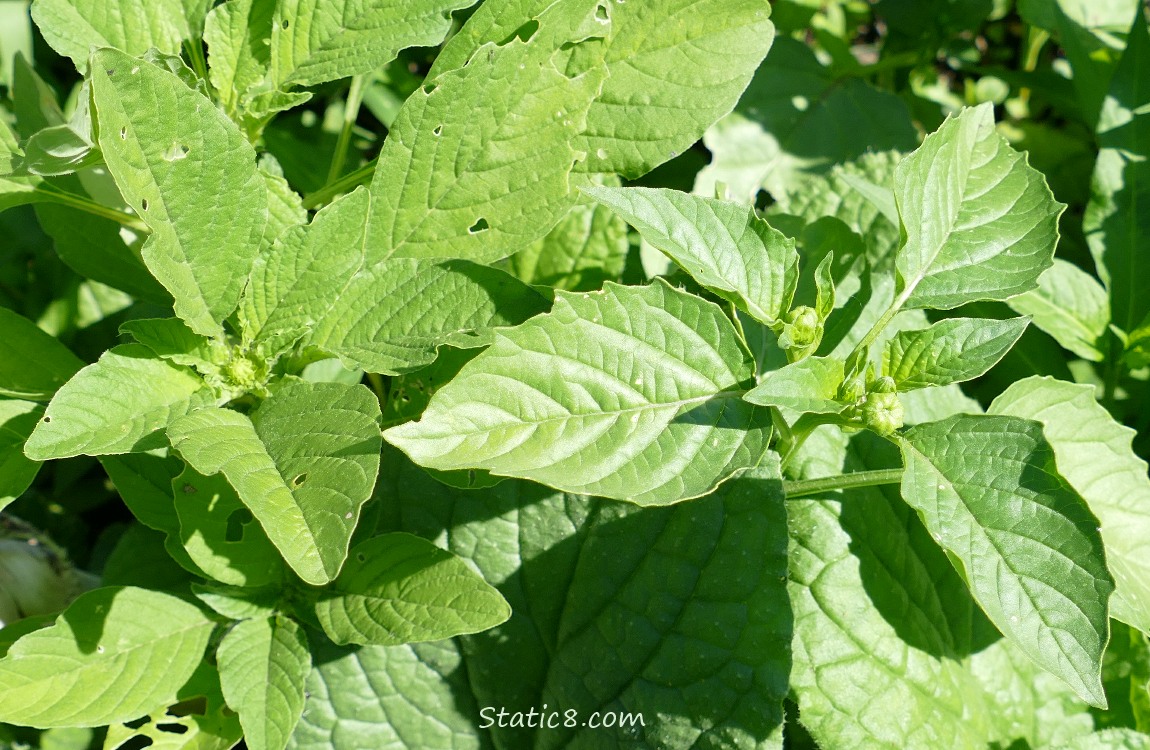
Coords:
802,333
882,412
881,385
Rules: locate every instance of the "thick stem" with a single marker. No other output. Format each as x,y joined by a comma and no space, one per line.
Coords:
807,487
56,195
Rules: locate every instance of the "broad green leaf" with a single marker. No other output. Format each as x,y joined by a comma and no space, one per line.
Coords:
1094,453
17,420
238,35
809,385
117,405
799,117
676,66
883,620
632,392
141,558
33,365
477,164
220,533
990,494
724,246
391,317
688,624
389,696
263,664
314,42
1070,305
398,588
170,339
586,248
198,720
1109,739
238,603
304,463
950,351
191,176
979,222
1117,222
74,27
114,654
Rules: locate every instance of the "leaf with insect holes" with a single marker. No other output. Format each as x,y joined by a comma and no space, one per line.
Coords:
631,393
190,175
980,223
304,463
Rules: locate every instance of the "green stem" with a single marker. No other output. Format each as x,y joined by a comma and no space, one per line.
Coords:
807,487
801,430
350,115
340,186
199,63
880,324
56,195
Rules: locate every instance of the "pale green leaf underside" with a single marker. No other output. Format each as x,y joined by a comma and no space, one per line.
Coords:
114,655
632,393
190,175
117,405
17,420
33,365
1094,453
398,588
980,223
263,664
809,385
74,27
304,463
989,492
1070,305
950,351
313,42
478,167
725,246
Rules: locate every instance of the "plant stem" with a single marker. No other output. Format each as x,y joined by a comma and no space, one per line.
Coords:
807,487
350,115
199,63
801,430
56,195
340,186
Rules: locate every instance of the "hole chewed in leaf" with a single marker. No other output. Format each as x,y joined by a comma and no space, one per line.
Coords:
144,204
285,23
438,130
124,133
197,706
236,522
523,33
172,728
601,14
136,743
480,225
299,480
136,723
361,557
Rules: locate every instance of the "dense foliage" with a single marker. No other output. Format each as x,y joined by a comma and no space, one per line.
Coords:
574,373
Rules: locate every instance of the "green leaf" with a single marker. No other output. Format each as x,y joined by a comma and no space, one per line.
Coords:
17,420
398,588
1109,739
33,365
586,248
219,532
170,339
1070,305
304,463
263,664
1094,454
882,619
687,624
1116,221
237,603
314,42
117,405
191,176
809,385
477,164
74,27
950,351
391,318
988,490
238,35
114,654
979,222
724,246
632,392
141,558
798,117
389,696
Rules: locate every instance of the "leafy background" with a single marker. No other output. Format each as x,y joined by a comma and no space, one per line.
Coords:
732,620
